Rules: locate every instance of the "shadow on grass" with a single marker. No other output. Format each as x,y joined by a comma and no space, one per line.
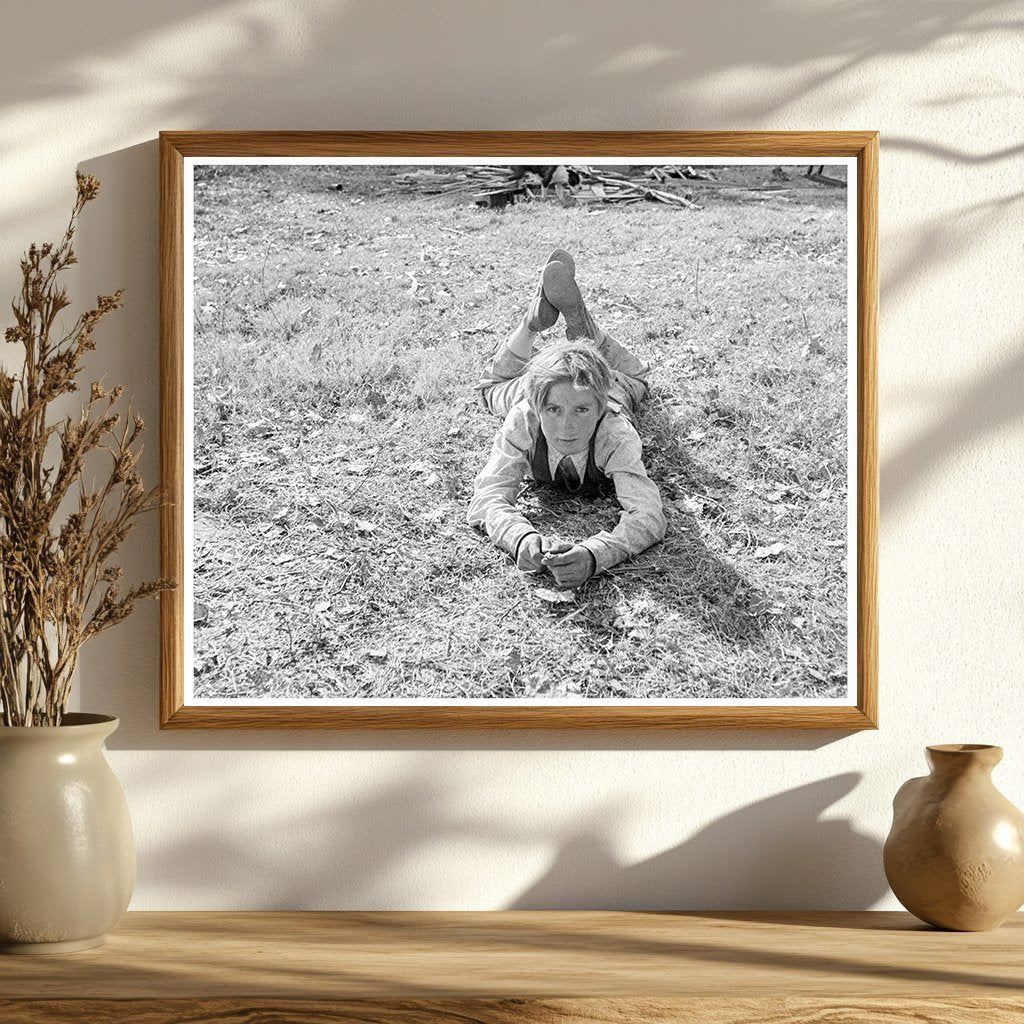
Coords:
681,575
678,576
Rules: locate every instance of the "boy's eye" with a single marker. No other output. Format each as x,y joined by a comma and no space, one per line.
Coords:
583,408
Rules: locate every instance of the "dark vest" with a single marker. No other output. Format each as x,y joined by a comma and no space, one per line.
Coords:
594,482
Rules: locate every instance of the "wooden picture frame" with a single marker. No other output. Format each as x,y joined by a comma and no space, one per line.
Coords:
857,151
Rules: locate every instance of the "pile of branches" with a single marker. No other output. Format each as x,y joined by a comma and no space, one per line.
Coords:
495,186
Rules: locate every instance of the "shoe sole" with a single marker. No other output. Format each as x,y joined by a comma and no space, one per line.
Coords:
561,256
560,288
543,314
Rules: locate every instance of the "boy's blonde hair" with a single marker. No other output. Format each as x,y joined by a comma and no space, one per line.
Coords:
575,361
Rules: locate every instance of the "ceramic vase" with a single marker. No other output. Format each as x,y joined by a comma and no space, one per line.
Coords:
955,855
67,855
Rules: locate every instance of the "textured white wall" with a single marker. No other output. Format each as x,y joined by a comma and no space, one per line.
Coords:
355,820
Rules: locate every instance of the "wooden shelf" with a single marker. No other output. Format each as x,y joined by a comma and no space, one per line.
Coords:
594,966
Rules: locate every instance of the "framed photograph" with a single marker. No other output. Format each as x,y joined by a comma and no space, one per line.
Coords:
519,430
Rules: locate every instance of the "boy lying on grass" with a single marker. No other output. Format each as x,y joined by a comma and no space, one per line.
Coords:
569,424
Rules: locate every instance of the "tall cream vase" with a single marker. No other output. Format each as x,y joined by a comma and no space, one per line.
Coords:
67,854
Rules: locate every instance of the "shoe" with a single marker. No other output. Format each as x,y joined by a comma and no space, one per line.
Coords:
542,314
561,256
559,286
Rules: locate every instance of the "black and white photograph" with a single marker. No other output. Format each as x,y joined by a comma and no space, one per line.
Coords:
470,431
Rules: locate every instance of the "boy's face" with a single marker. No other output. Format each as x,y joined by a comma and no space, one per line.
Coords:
569,415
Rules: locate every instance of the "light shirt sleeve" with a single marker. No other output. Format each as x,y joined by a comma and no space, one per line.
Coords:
618,453
497,485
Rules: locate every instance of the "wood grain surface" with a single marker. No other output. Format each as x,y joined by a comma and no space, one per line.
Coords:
515,1011
518,144
175,147
527,955
172,425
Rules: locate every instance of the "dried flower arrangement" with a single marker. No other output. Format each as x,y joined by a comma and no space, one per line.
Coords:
57,589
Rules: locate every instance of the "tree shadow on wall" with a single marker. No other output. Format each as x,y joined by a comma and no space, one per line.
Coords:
309,64
775,854
989,405
938,244
401,845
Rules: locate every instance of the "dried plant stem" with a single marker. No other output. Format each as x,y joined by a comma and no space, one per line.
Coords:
57,586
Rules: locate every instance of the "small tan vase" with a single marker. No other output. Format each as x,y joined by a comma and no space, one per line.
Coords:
67,856
955,855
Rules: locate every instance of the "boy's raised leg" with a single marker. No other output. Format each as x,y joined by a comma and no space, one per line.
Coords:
562,290
619,357
559,284
500,386
542,314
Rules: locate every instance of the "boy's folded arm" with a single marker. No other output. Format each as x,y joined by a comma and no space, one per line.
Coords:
497,487
642,522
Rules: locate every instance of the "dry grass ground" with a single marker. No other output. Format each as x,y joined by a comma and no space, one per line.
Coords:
337,336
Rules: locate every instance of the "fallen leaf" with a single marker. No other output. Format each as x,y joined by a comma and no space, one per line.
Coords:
760,605
555,596
358,468
365,526
770,551
567,688
434,516
322,606
420,466
377,653
550,686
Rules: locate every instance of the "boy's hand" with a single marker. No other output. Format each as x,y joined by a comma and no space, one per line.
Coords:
530,553
555,546
571,568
